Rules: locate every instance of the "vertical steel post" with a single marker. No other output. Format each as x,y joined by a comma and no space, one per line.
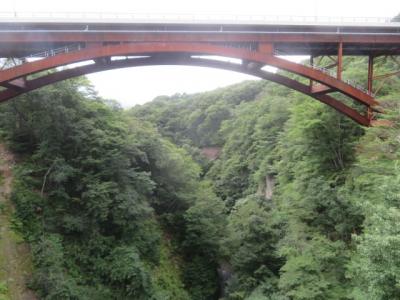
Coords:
339,61
370,72
312,65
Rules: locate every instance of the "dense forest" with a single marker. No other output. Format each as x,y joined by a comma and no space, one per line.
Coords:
296,202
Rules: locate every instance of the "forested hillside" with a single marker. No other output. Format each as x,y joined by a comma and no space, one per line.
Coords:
301,203
111,208
311,197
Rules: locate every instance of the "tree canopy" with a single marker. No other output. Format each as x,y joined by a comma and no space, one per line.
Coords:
301,202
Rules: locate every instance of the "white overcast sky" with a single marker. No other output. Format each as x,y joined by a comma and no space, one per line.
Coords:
139,85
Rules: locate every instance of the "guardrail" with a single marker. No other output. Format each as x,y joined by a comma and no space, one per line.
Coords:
190,17
53,52
7,64
333,73
353,83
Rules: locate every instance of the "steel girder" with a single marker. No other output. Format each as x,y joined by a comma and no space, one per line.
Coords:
15,78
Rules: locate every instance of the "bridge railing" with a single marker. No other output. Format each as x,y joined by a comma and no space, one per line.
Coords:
53,52
7,64
359,86
331,73
186,17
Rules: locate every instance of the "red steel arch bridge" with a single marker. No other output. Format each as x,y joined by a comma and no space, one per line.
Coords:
41,49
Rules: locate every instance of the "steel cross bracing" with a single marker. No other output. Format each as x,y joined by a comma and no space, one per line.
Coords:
29,49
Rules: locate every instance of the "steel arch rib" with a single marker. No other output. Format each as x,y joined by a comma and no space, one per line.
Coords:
191,48
285,81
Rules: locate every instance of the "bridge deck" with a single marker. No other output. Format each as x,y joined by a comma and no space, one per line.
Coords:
21,38
255,44
376,26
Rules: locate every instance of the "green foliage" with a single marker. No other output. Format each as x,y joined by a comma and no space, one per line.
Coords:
28,204
375,267
3,291
201,277
301,243
196,119
90,194
116,206
205,222
317,148
50,279
374,187
315,271
168,275
204,230
128,273
253,233
250,147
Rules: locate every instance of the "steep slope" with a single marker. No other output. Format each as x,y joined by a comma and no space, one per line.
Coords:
15,261
94,194
311,197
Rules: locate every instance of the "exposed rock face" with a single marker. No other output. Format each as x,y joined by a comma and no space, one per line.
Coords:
212,153
224,273
266,188
269,186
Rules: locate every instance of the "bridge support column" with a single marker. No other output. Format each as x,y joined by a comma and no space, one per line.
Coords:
370,72
382,77
340,61
370,113
312,65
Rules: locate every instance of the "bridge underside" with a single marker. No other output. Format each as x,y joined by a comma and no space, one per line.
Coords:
252,52
185,60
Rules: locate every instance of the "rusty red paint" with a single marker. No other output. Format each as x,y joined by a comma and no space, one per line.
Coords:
187,48
255,45
320,89
339,61
18,84
100,37
370,72
285,81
